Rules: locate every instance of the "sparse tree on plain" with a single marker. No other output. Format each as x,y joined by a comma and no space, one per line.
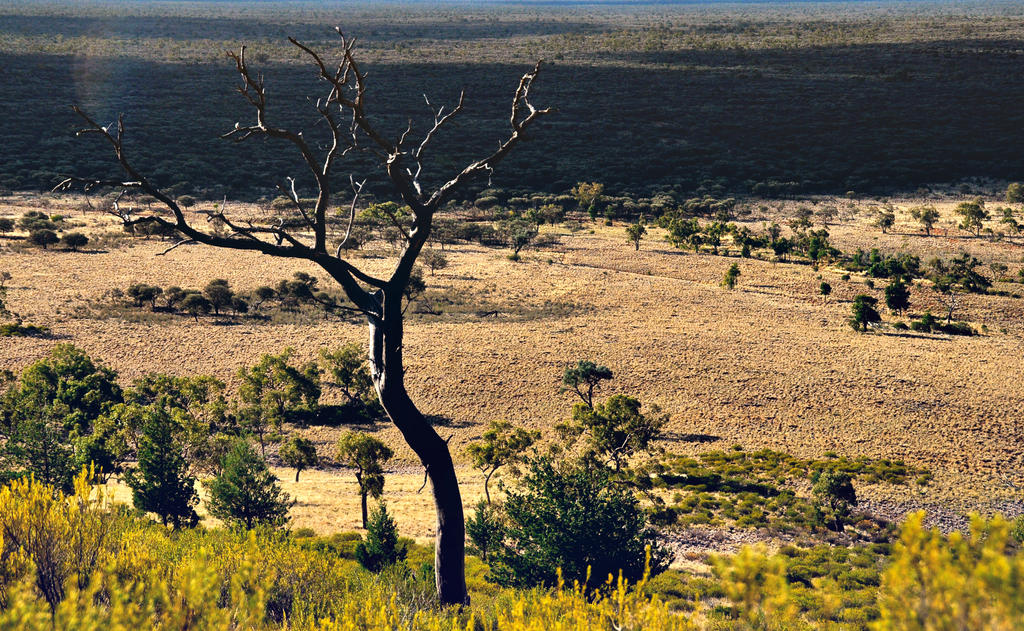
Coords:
863,312
731,276
434,260
43,238
299,453
74,240
886,219
824,289
219,293
635,232
583,378
973,216
142,293
927,216
343,112
897,296
501,445
196,305
367,455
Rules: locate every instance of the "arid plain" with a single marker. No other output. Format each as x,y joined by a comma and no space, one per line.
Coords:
771,364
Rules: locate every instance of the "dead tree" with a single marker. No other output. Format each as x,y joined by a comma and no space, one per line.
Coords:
379,300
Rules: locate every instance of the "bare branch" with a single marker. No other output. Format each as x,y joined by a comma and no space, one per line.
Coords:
179,243
357,189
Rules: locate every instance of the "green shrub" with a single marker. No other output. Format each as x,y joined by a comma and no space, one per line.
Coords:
381,549
245,492
571,516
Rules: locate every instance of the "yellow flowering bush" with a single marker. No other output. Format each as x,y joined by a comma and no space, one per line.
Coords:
78,563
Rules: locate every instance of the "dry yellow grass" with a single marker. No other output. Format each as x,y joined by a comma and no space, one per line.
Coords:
770,364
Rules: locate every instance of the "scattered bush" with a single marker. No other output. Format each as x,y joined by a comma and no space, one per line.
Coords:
246,493
381,549
74,240
570,516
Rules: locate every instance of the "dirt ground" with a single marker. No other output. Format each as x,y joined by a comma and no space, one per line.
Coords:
770,364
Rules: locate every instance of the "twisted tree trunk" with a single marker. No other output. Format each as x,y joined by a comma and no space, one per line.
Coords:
388,374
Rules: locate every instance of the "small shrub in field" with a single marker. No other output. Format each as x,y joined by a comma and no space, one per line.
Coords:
836,496
161,483
731,276
43,238
74,240
246,493
571,516
381,549
298,453
485,529
864,312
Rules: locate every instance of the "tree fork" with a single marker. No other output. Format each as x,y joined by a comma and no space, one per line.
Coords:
343,114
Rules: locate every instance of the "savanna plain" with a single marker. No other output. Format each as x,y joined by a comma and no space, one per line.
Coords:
789,234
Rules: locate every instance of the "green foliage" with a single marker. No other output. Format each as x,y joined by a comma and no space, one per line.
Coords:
197,409
863,312
381,549
835,495
434,260
500,445
274,392
219,293
245,492
886,219
758,489
570,516
367,455
731,276
635,232
615,430
142,293
351,373
50,419
74,240
161,483
1015,193
298,453
196,305
386,213
35,221
43,237
897,296
973,215
17,329
963,581
587,194
485,529
583,378
824,288
517,234
927,216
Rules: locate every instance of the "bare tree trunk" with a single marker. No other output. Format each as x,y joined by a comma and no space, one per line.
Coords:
362,497
388,378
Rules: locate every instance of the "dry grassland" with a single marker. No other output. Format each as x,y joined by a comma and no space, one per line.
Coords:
771,364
